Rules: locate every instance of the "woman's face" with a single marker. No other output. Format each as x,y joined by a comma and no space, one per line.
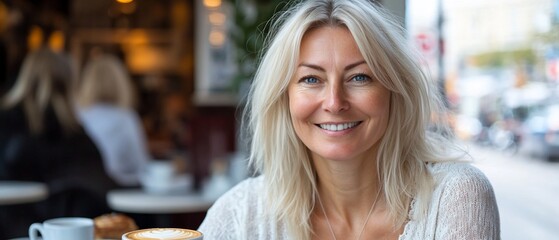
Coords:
338,110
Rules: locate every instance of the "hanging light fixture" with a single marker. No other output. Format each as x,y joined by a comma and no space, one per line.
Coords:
212,3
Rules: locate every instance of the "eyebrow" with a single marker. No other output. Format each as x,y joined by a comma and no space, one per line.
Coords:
348,67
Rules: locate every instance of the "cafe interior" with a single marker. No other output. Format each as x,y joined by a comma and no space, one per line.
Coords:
189,62
188,113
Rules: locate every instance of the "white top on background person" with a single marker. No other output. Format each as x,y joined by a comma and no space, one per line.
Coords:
350,139
105,101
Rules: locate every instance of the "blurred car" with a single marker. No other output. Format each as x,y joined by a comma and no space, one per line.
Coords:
541,133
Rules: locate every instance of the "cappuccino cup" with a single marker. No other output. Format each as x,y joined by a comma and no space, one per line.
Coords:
70,228
163,234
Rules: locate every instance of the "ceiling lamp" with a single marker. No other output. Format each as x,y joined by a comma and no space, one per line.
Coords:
212,3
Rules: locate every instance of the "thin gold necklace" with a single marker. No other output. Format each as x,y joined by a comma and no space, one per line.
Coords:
364,224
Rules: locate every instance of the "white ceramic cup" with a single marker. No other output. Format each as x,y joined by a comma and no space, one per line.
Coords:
158,176
163,234
162,171
70,228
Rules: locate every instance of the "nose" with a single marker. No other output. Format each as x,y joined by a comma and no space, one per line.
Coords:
335,100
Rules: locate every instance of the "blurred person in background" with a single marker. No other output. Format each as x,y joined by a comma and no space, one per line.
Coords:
42,140
339,114
15,22
165,117
106,108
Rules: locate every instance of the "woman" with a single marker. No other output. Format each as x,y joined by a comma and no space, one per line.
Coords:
106,109
41,140
340,120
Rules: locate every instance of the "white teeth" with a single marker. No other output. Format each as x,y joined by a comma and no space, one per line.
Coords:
338,127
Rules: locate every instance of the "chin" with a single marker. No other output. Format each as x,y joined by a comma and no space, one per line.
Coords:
337,155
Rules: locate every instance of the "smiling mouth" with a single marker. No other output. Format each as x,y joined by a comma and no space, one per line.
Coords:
338,127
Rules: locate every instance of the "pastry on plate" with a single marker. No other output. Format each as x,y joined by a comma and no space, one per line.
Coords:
113,225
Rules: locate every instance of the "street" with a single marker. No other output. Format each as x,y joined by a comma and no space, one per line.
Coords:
527,191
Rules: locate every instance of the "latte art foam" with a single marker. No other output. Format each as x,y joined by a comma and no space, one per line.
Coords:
163,234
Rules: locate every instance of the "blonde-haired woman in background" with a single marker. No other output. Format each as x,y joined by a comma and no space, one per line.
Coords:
340,119
106,108
42,140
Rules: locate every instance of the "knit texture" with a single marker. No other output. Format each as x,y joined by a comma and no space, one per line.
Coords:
462,206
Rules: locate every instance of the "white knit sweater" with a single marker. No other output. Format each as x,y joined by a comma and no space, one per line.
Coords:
463,206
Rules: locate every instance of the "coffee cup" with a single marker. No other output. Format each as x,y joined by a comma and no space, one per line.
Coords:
70,228
158,176
160,171
163,234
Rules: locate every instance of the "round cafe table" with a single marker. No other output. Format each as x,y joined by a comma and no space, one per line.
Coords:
139,201
161,206
19,192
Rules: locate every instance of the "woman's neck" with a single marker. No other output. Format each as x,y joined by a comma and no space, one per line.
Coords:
347,187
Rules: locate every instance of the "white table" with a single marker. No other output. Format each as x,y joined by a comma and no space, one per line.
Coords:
138,201
19,192
162,206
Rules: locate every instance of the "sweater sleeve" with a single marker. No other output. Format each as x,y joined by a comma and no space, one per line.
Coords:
227,218
219,222
467,208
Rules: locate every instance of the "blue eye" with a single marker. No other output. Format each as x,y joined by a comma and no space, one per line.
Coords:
309,80
360,78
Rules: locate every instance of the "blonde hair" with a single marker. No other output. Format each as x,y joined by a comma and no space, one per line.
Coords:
407,145
105,79
45,80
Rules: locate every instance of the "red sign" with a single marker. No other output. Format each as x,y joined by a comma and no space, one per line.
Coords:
426,43
552,69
